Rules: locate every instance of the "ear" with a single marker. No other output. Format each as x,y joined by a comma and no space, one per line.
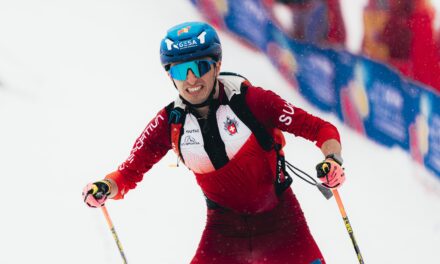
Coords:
218,66
169,76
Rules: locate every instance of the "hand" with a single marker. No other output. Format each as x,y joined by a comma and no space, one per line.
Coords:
330,173
95,194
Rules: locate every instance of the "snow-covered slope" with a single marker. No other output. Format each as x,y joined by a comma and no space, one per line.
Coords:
80,80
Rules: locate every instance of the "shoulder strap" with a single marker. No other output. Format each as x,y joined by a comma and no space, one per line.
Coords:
235,89
176,119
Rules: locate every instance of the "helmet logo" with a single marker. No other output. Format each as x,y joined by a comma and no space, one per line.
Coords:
181,44
201,37
183,30
185,44
169,43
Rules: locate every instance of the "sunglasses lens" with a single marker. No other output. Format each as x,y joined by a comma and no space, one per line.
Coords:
180,71
198,67
204,67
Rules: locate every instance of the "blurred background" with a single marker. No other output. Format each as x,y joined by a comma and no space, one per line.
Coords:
79,81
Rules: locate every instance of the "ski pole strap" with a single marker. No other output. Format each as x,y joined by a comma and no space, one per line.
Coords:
283,179
324,190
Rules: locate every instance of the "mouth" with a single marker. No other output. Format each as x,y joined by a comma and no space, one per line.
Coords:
193,90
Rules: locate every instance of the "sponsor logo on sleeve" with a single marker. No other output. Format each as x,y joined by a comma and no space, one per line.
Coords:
141,140
287,115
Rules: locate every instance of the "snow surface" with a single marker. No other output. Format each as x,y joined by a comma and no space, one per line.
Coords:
79,80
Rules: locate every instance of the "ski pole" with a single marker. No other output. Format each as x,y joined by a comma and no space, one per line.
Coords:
348,225
115,236
328,193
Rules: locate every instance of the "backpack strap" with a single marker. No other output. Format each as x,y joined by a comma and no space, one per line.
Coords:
176,119
236,88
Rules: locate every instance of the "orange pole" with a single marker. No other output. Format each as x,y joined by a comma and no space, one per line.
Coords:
339,201
115,235
348,225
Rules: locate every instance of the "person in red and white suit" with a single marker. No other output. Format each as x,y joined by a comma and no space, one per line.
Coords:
213,128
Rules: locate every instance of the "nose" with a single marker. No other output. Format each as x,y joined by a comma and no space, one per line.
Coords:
190,77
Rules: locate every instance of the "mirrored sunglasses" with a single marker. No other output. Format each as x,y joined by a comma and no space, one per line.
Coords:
198,67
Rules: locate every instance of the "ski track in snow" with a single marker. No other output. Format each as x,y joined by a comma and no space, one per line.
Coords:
88,80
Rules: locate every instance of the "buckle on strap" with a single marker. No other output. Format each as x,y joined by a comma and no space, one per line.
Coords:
283,179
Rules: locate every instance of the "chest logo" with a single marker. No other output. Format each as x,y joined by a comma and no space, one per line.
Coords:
189,140
231,125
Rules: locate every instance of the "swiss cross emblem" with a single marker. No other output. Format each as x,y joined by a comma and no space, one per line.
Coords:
231,125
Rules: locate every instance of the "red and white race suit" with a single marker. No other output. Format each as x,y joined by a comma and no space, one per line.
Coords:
244,185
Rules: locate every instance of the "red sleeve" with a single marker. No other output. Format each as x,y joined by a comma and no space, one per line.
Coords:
148,149
274,112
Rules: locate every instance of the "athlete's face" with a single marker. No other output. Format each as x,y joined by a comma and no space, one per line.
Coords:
199,81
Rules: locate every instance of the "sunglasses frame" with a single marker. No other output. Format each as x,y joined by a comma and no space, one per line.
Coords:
180,71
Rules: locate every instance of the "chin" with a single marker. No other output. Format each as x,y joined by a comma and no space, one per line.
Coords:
196,101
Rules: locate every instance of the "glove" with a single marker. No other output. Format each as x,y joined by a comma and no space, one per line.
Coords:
95,194
330,173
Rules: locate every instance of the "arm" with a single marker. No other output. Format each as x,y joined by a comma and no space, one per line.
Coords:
331,146
274,112
148,149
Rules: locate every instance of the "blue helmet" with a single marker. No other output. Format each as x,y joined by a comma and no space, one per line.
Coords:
188,41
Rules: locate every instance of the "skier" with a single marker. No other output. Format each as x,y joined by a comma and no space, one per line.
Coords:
228,132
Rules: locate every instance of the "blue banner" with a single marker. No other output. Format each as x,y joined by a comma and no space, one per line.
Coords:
367,95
